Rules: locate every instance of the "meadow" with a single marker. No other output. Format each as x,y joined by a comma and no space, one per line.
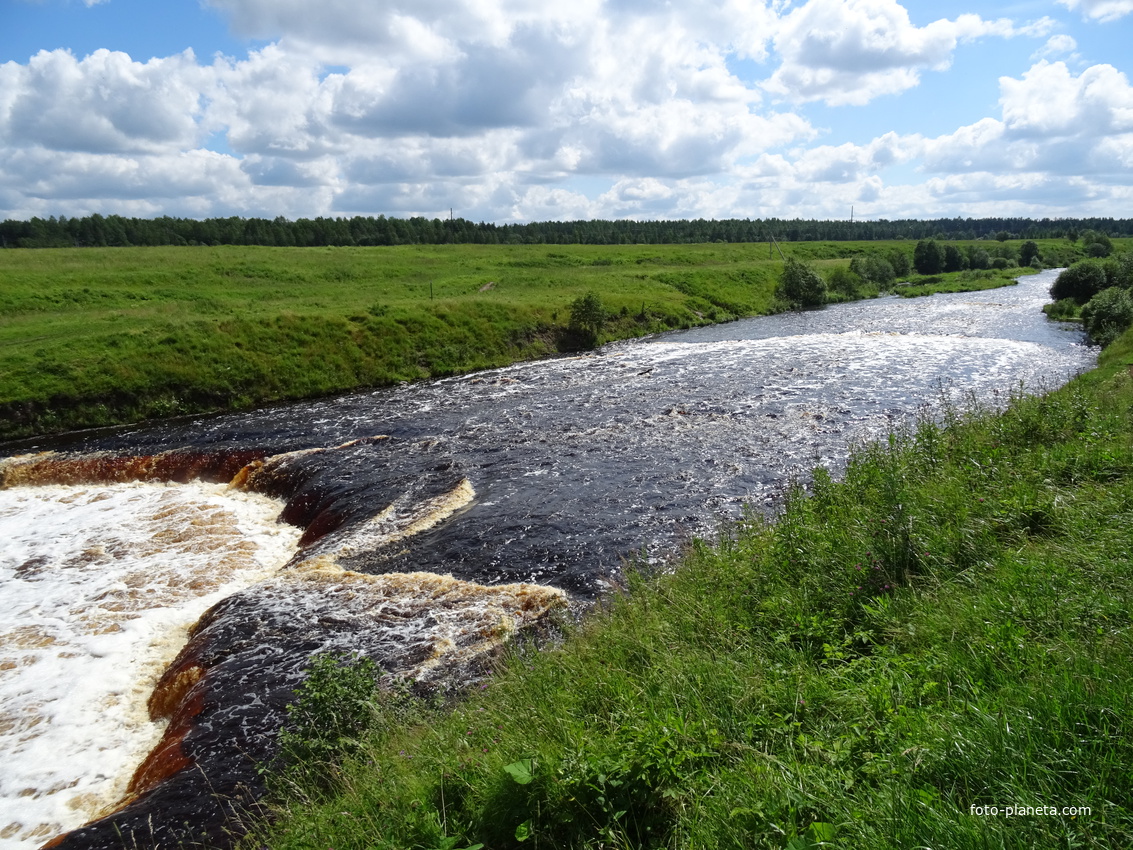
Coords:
103,336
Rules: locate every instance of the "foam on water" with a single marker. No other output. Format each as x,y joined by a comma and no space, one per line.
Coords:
100,585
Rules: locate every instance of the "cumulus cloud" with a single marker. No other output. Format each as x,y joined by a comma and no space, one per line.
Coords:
103,103
853,51
1100,10
1049,101
1053,123
849,163
513,110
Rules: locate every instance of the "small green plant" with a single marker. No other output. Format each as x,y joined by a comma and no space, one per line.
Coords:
1063,310
335,705
450,842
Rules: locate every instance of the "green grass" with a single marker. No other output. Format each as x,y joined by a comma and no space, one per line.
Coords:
948,627
98,336
964,281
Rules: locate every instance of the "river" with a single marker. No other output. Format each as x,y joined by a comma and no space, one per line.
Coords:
424,525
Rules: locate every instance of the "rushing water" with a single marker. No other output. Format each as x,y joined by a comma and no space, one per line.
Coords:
100,585
549,472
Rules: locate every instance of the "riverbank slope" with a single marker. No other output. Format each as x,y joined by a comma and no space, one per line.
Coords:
92,337
895,661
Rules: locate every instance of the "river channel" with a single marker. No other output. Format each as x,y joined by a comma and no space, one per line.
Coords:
424,525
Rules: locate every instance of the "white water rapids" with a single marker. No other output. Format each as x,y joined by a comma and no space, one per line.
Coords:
99,586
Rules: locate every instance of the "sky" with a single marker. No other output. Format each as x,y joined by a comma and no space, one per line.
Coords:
529,110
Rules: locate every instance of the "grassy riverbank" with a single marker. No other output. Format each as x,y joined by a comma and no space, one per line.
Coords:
104,336
966,281
947,629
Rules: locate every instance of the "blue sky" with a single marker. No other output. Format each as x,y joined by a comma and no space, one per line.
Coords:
517,110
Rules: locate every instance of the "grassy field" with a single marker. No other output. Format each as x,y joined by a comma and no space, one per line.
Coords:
947,630
104,336
98,336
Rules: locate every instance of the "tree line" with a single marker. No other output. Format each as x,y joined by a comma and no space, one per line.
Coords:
113,230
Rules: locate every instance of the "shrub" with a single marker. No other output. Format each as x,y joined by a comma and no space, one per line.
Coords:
800,285
1108,314
1119,270
928,257
978,258
1097,244
954,259
899,260
1082,281
845,282
1062,311
875,269
587,314
1029,253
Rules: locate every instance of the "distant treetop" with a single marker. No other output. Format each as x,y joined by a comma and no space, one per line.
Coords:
114,230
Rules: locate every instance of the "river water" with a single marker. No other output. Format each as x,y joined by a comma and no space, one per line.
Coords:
438,504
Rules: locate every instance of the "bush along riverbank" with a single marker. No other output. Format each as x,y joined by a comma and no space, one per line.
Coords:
1096,292
935,651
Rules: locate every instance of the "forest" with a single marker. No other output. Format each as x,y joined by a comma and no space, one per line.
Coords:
116,231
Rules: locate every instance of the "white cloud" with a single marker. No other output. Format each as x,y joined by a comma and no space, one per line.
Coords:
853,51
103,103
1056,45
1100,10
850,163
1050,101
512,110
1054,125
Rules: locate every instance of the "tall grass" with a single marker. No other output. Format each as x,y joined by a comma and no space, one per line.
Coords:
947,628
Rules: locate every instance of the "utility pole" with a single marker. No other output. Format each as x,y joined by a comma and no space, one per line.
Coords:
771,242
